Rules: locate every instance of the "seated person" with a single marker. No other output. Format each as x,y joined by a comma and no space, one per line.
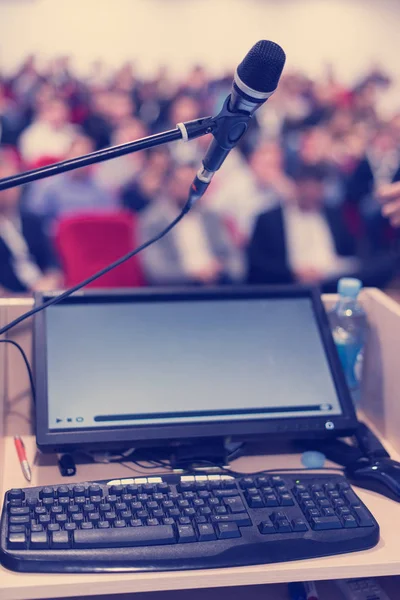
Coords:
71,193
27,262
307,242
198,250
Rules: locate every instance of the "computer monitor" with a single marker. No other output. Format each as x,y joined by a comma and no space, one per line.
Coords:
125,368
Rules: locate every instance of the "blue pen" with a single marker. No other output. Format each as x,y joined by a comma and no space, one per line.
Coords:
297,591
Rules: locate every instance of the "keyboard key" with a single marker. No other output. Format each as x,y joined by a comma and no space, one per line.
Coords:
329,487
328,512
60,540
47,492
53,527
17,529
220,510
16,494
198,502
139,523
17,541
36,527
106,524
277,481
230,484
153,522
70,526
214,502
19,510
242,519
39,540
299,525
234,505
79,490
349,521
205,532
363,518
246,482
266,527
117,490
271,500
263,481
299,489
186,534
128,537
343,511
225,493
338,502
94,517
314,512
253,492
95,490
324,504
308,505
275,516
110,516
320,495
119,523
316,488
283,526
77,518
62,491
286,500
343,485
256,502
227,530
324,523
184,520
200,519
167,521
56,510
187,512
350,497
62,518
19,520
205,511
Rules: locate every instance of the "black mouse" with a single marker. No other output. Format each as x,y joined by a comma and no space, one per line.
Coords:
380,475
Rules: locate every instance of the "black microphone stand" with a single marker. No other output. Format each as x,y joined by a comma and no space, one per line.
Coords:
186,131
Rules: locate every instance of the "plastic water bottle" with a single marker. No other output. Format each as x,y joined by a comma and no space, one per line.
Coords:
349,328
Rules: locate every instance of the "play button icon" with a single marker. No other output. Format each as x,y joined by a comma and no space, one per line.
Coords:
58,420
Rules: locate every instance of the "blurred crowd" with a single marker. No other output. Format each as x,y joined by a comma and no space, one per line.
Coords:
296,201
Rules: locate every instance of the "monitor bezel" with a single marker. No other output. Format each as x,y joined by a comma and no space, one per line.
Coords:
50,440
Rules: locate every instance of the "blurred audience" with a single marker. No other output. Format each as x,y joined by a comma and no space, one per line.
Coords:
27,260
199,251
308,242
70,193
316,164
302,241
50,136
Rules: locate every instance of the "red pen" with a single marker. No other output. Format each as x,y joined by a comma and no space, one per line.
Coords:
23,461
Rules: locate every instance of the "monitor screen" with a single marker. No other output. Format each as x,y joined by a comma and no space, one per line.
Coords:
158,361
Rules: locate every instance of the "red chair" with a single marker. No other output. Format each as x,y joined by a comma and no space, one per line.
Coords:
89,242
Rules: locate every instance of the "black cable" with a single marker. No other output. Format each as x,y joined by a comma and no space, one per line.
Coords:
28,367
103,271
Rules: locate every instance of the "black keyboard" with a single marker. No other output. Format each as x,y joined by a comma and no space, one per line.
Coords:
182,522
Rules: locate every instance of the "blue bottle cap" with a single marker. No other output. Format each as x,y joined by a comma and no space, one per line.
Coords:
312,459
349,287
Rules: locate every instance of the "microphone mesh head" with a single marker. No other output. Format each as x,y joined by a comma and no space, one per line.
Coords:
262,66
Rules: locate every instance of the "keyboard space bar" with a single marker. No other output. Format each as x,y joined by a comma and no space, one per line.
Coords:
124,537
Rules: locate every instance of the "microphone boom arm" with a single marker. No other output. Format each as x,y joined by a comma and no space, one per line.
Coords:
187,131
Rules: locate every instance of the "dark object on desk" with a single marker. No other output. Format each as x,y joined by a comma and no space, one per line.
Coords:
174,522
67,466
367,464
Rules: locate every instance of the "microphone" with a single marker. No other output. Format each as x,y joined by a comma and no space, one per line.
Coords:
256,79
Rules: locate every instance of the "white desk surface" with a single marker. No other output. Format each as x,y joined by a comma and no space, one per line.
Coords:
382,560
